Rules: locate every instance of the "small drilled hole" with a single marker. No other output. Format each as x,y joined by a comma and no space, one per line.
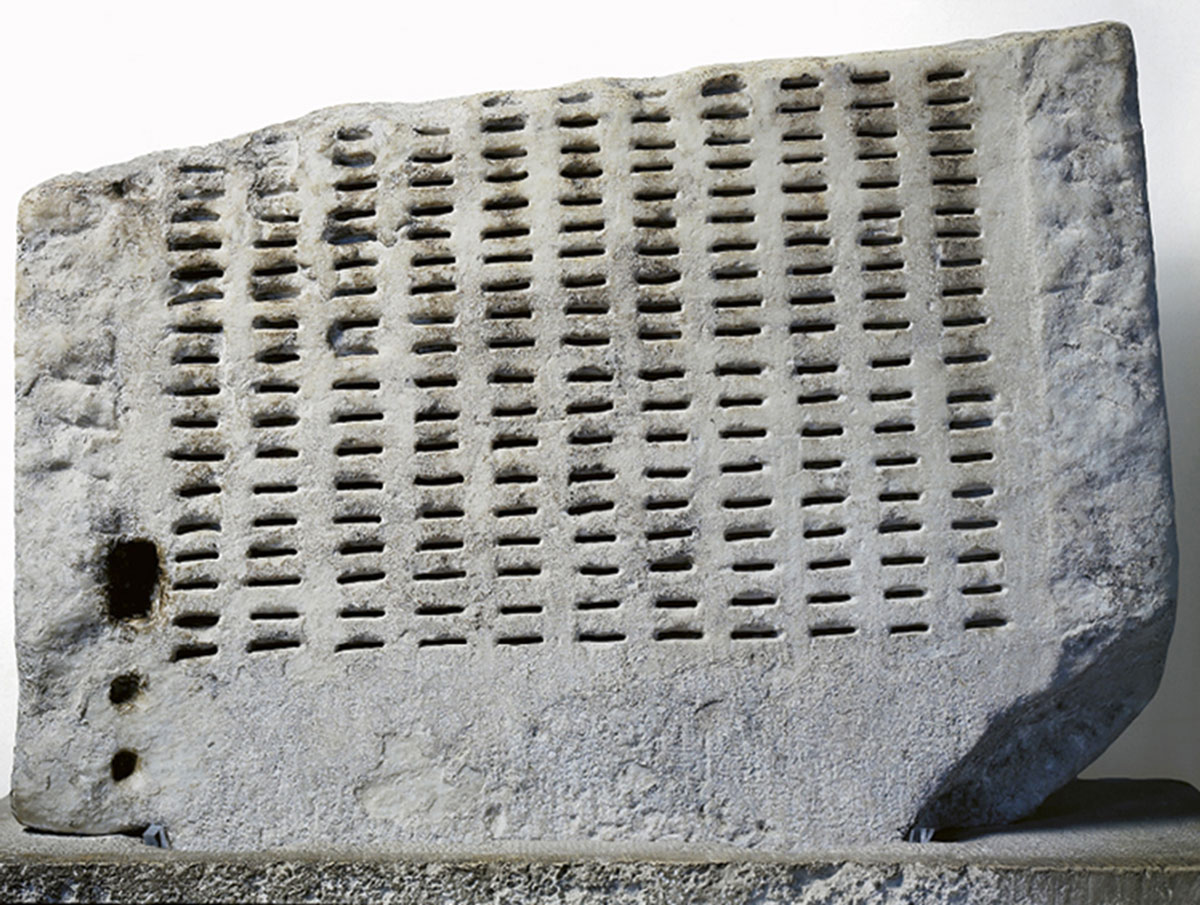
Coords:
123,763
125,687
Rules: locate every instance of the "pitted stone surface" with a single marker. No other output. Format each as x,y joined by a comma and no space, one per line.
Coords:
1095,841
762,454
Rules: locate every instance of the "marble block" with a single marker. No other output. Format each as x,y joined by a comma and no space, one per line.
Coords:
764,455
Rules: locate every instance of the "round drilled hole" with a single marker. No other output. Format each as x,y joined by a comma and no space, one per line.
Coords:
125,687
124,762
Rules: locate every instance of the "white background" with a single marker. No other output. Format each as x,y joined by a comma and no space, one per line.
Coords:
95,84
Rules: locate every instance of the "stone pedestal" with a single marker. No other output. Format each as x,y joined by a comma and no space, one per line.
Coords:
1106,841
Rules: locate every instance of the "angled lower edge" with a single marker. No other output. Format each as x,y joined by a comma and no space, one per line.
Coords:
1111,559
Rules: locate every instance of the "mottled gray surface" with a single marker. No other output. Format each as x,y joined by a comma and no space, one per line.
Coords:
762,455
1099,842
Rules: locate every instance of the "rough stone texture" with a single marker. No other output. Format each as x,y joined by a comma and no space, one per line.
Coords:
760,455
1099,842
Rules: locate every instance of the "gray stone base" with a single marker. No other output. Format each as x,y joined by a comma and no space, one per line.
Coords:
1106,841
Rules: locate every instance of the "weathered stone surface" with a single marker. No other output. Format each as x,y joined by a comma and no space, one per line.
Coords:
1098,842
762,455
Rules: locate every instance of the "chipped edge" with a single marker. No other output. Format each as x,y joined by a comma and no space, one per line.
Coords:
1114,617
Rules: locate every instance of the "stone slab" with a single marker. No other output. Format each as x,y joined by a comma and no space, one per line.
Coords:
1098,841
765,454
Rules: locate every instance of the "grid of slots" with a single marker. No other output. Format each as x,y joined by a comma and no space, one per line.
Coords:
273,287
679,422
823,348
353,312
747,351
664,399
586,339
970,401
440,463
506,277
197,254
887,314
